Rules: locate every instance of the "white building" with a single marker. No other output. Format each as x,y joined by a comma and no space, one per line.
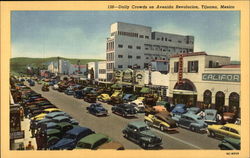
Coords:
204,80
64,67
131,44
102,75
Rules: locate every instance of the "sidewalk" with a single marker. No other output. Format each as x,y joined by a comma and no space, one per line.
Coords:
25,125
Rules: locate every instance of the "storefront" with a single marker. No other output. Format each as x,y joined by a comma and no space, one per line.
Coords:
205,81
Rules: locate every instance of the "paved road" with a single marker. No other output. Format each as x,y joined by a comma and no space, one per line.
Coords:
113,124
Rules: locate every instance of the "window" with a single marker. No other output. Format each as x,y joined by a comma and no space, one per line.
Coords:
120,56
120,66
162,38
138,57
225,128
155,58
120,46
147,58
166,39
176,66
145,65
130,47
169,40
163,59
130,66
193,66
179,41
138,47
147,37
234,131
146,48
130,56
158,39
141,36
210,64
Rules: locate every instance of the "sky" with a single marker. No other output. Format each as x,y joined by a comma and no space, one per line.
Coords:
83,34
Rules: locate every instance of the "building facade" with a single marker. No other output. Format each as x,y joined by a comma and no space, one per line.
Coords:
131,44
102,75
205,80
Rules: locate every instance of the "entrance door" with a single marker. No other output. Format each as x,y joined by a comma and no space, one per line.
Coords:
189,100
219,101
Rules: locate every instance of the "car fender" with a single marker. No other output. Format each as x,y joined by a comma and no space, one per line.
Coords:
148,119
164,124
227,145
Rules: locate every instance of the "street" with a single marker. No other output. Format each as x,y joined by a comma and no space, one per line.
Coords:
113,124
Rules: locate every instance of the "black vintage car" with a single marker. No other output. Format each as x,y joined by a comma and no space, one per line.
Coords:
124,109
97,109
140,133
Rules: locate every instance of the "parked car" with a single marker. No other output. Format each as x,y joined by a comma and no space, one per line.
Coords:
179,109
124,109
227,130
59,119
129,97
211,116
165,104
139,132
139,106
92,141
193,122
49,110
112,145
154,109
229,144
228,117
78,94
69,91
194,110
45,88
90,97
31,83
55,114
161,120
104,98
97,109
71,138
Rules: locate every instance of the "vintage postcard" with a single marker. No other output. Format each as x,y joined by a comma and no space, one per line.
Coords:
125,79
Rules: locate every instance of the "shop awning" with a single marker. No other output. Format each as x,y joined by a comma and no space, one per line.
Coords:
145,90
184,92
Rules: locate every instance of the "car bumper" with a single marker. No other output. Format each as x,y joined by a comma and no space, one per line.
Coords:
154,145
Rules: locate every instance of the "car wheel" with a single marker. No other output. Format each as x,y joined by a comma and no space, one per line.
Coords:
162,128
192,128
144,145
126,135
124,115
211,133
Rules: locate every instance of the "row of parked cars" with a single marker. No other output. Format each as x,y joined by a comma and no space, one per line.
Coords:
169,118
61,130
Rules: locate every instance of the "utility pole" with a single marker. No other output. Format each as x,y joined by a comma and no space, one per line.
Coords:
58,65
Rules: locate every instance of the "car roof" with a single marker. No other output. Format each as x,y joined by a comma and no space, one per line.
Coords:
231,125
60,117
137,124
92,138
191,115
76,130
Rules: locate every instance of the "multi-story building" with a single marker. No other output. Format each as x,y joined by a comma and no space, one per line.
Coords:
102,75
205,80
131,45
66,68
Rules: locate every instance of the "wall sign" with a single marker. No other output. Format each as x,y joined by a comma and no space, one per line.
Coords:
221,77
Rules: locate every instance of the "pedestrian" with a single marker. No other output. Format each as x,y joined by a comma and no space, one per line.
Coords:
38,139
33,127
26,111
30,146
21,113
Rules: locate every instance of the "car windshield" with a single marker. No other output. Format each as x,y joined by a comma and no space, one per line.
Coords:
210,114
98,105
144,128
70,136
84,145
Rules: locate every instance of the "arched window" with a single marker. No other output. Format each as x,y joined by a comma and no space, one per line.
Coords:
207,97
234,101
219,101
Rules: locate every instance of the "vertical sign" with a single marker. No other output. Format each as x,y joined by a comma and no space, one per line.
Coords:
180,72
149,74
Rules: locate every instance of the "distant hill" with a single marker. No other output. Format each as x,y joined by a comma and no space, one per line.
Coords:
20,64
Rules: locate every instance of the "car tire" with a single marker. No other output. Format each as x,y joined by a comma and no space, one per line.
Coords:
144,145
124,115
192,128
162,128
211,134
126,135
